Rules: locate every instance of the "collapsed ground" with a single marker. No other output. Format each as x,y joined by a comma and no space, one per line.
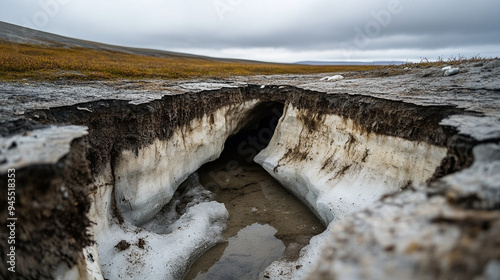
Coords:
56,217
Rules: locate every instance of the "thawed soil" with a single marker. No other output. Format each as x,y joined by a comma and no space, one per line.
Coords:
265,222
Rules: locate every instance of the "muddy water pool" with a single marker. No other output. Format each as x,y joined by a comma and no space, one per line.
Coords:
266,222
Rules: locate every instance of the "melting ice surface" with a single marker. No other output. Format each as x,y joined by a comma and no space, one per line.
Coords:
247,254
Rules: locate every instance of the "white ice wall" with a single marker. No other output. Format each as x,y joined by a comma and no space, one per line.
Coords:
337,169
143,183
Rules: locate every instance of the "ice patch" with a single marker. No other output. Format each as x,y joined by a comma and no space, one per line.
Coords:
146,179
128,252
163,250
190,193
351,170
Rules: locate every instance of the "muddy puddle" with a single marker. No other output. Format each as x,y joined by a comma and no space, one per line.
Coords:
266,222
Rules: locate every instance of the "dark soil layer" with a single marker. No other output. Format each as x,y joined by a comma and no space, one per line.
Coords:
51,206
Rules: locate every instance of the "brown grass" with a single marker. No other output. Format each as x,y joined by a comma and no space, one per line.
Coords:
23,61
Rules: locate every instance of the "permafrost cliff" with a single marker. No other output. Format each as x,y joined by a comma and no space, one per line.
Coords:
403,170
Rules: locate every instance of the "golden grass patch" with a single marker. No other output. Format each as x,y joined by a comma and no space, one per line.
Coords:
24,61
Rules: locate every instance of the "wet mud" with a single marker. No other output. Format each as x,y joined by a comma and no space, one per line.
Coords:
265,223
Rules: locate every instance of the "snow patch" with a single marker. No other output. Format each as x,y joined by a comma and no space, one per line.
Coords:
201,86
137,236
126,251
147,255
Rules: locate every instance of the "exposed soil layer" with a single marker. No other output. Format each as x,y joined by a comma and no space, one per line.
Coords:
114,125
51,207
53,228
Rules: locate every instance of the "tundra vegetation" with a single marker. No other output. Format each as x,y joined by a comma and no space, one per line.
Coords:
52,63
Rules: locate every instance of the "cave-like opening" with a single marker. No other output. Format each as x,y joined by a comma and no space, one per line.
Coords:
256,134
265,222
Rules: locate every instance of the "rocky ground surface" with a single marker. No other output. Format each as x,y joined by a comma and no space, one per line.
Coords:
447,230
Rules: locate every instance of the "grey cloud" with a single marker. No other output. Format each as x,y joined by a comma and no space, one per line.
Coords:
292,25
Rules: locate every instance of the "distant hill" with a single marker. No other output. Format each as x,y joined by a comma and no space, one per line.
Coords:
18,34
351,62
31,54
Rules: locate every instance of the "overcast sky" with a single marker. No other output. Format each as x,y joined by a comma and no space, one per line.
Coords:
275,30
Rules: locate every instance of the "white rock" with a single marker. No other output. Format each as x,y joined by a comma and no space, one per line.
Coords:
451,72
332,78
84,109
